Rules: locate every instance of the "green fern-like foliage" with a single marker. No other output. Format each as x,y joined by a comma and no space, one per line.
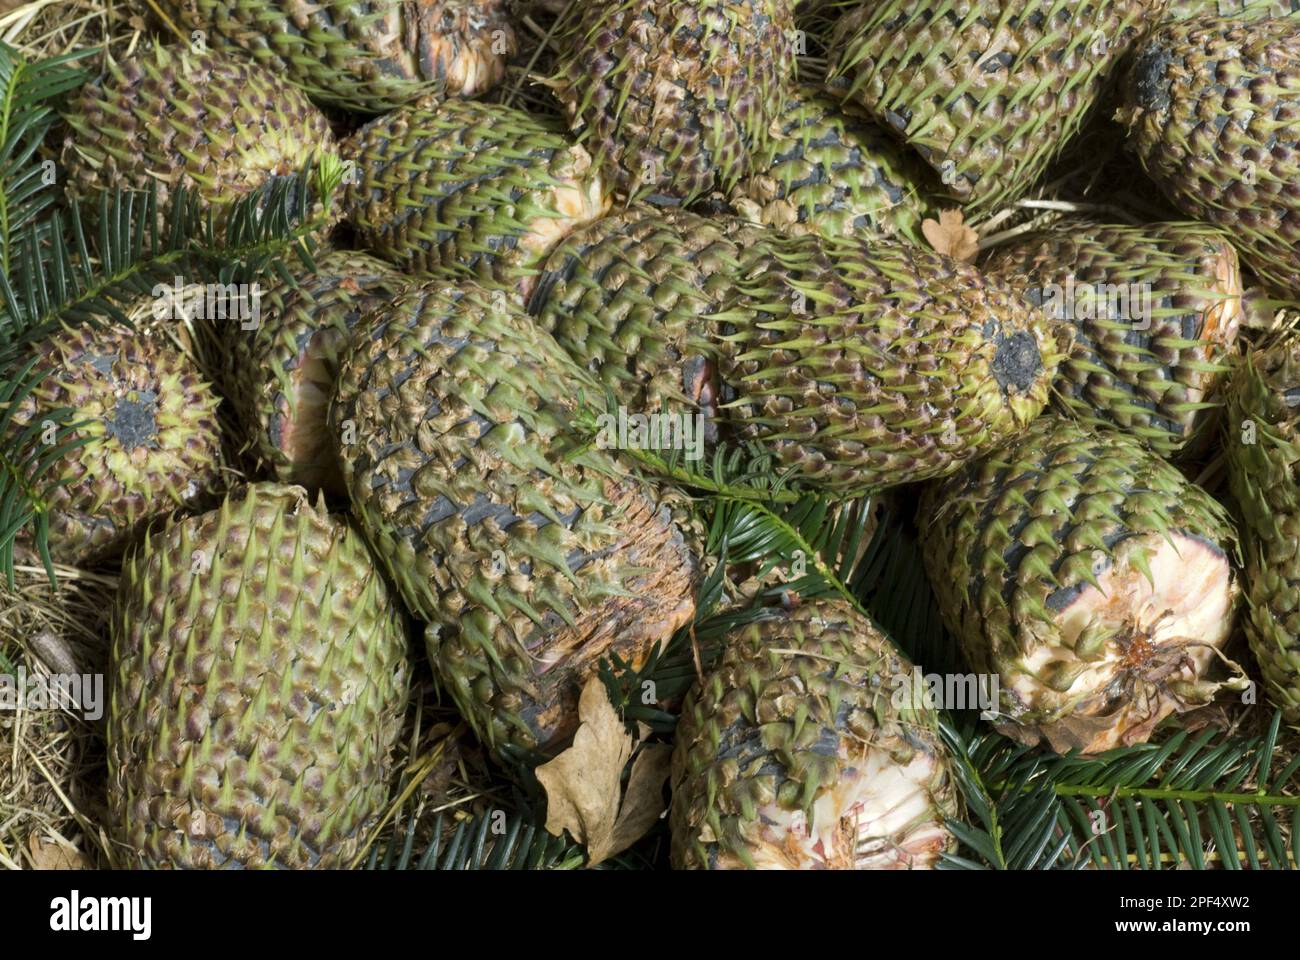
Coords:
27,93
813,542
1199,801
738,472
493,840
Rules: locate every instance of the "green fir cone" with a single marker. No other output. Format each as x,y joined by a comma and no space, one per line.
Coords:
284,370
1263,453
367,55
629,295
1155,311
864,365
146,424
830,169
260,674
468,188
530,559
1089,576
807,748
671,98
221,126
987,91
1212,108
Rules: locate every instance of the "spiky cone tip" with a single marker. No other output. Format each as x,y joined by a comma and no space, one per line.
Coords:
369,57
245,129
493,190
1090,577
806,748
1182,109
530,559
864,364
1154,311
987,94
146,424
674,99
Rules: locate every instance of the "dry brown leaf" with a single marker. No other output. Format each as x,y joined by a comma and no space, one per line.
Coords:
951,236
643,803
583,783
49,855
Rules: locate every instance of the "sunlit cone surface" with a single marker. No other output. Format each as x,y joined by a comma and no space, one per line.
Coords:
285,369
1186,9
529,563
149,421
1089,575
867,365
672,98
217,124
1155,309
830,168
1212,108
860,364
627,295
468,187
259,678
368,55
805,749
987,91
1263,453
